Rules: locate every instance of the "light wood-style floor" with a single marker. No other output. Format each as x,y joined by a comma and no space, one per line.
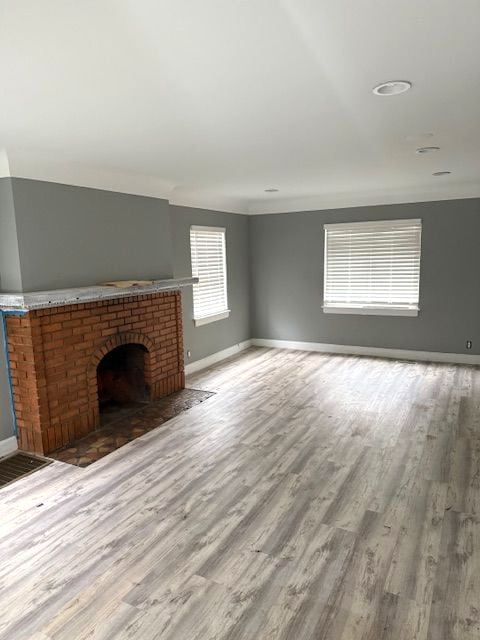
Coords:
314,497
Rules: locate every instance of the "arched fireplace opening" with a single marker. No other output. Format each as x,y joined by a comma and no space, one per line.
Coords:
121,377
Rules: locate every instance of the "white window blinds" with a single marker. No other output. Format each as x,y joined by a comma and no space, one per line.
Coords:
372,265
207,246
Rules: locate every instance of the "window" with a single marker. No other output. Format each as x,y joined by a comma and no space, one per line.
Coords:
207,245
372,267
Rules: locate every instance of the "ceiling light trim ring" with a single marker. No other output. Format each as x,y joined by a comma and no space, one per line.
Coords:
392,88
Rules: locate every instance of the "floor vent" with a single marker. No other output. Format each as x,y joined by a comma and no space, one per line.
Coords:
19,465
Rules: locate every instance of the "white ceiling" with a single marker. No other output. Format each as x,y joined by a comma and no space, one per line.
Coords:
210,102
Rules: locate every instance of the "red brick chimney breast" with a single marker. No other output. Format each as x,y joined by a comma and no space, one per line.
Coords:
54,354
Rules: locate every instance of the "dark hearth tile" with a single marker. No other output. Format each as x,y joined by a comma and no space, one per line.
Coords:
127,423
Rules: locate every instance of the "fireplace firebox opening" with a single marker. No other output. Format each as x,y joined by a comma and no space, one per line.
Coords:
121,377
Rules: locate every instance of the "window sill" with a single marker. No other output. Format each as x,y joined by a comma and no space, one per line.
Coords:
372,311
207,319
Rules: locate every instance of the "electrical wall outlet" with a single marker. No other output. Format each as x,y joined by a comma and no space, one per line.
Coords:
189,354
469,344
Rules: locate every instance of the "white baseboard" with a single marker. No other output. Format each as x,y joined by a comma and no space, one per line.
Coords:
397,354
9,445
216,357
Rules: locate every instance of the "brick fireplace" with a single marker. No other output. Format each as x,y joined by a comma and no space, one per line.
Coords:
56,357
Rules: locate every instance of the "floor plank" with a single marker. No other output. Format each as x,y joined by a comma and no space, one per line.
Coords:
314,497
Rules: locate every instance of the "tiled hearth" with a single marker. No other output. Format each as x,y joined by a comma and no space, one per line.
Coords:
54,353
131,422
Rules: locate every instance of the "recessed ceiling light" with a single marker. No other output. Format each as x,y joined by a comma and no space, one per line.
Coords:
392,88
441,173
427,149
271,190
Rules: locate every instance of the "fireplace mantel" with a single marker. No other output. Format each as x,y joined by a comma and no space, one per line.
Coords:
18,302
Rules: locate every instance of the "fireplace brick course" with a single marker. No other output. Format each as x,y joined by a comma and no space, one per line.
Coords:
54,354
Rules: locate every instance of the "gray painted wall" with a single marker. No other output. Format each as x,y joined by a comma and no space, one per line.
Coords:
72,236
10,280
207,339
10,276
287,280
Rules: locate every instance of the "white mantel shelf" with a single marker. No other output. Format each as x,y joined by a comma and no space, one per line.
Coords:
23,302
